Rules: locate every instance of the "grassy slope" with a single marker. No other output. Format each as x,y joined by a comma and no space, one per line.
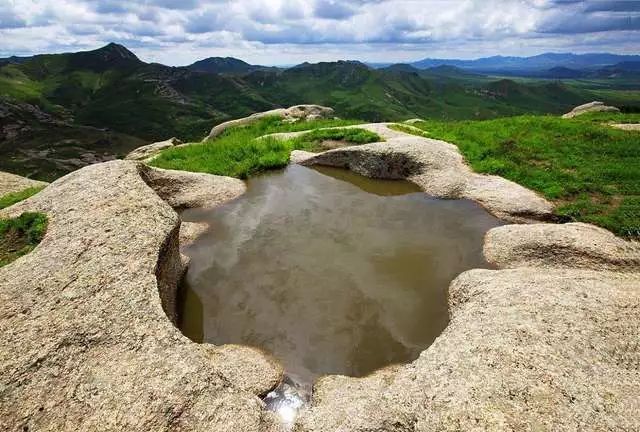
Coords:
20,236
590,170
237,153
355,91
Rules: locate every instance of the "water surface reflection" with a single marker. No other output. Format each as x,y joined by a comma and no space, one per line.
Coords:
331,272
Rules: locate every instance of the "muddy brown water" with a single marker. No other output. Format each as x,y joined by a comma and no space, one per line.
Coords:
329,271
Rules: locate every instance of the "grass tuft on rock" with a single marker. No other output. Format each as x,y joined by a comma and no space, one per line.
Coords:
409,129
588,169
15,197
313,140
20,235
237,152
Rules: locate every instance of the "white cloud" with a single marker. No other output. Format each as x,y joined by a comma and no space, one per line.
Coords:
289,31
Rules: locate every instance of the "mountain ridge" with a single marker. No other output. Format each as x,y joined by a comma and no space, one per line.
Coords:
105,101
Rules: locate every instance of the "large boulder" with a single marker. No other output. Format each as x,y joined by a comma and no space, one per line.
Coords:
89,340
11,183
590,107
294,113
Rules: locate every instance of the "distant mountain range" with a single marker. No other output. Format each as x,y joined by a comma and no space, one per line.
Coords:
542,62
549,65
62,111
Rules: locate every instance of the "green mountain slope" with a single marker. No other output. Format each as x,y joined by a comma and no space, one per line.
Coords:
105,102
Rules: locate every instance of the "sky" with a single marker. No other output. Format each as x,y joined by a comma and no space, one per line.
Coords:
285,32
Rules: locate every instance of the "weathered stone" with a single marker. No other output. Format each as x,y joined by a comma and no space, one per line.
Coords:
294,113
573,245
590,107
87,338
148,152
626,126
183,189
246,366
190,231
11,183
524,350
438,168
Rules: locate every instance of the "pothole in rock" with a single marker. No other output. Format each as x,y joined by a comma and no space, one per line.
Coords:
329,271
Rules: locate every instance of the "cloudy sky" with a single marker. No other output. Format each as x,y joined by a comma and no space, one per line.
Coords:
177,32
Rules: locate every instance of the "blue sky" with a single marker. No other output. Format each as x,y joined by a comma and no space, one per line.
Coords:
178,32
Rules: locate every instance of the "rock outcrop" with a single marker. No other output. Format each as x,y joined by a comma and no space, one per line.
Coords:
87,338
572,245
549,340
626,126
184,190
294,113
438,168
590,107
11,183
148,152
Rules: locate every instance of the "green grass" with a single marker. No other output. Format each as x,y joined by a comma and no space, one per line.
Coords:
20,235
312,141
237,152
591,171
12,198
409,129
609,117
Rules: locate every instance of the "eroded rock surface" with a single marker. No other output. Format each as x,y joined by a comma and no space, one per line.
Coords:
626,126
11,183
87,342
525,350
294,113
572,245
529,348
590,107
184,190
149,151
549,342
438,168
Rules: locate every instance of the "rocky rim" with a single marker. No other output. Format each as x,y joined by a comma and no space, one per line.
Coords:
548,340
